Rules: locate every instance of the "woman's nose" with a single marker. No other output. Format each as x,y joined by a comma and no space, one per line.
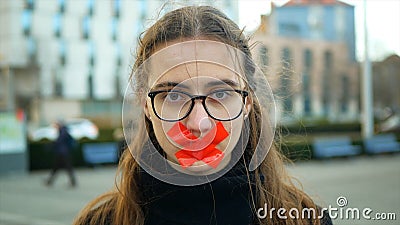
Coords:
198,121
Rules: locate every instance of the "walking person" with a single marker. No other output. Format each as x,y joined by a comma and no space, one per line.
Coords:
62,148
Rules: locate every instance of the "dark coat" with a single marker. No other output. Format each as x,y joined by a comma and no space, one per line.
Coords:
62,144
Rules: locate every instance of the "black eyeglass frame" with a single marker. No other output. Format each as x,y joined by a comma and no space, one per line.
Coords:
153,94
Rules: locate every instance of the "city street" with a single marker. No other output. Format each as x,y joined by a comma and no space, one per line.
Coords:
372,182
84,80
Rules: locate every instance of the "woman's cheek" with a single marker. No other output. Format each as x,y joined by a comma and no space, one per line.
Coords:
165,143
234,129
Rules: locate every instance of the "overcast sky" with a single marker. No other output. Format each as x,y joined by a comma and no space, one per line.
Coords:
383,23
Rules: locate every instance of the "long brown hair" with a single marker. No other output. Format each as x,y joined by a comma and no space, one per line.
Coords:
274,186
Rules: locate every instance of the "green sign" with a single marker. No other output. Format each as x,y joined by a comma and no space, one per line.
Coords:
12,132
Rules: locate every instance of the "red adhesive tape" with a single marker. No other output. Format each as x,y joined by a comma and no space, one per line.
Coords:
198,149
182,136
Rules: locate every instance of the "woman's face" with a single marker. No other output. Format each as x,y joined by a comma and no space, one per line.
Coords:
197,110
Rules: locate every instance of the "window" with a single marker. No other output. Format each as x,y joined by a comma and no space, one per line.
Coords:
308,59
327,74
308,62
57,25
90,84
92,54
289,29
26,21
114,28
118,87
315,21
306,93
90,7
63,53
340,22
58,89
307,105
31,46
325,92
328,61
61,6
118,55
86,26
32,49
285,83
286,56
117,83
117,8
345,94
264,56
29,4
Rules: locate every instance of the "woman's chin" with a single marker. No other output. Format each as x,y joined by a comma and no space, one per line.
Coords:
200,167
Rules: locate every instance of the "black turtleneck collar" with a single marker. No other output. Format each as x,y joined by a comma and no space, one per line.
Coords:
225,200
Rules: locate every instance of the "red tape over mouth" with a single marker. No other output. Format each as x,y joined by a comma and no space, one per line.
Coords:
198,149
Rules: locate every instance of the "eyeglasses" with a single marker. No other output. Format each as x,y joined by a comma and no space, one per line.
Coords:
222,105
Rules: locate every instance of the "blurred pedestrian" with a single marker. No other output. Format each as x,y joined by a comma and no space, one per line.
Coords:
62,148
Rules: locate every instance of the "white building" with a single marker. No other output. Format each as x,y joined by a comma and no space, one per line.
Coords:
72,57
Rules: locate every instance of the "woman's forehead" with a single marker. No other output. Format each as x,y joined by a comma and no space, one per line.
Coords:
197,58
200,73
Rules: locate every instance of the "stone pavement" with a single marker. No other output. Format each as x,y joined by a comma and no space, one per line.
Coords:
372,182
365,182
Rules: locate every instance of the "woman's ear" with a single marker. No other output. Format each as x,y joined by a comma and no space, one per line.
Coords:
247,106
146,110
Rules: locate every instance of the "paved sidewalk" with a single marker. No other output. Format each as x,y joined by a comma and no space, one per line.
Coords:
365,182
25,200
372,182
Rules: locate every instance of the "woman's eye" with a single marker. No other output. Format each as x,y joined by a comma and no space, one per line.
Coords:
173,96
219,95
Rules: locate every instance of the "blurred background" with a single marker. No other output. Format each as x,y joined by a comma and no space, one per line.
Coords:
71,59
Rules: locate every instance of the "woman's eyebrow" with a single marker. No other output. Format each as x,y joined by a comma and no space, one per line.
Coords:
169,84
231,83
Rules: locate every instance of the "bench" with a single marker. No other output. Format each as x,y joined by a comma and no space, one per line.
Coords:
381,143
97,153
326,147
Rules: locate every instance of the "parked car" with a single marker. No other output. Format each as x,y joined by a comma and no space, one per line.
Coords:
78,128
391,124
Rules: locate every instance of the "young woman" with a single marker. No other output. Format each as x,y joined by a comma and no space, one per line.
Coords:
198,120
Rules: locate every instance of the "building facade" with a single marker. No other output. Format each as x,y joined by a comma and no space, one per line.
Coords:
328,20
313,79
74,55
